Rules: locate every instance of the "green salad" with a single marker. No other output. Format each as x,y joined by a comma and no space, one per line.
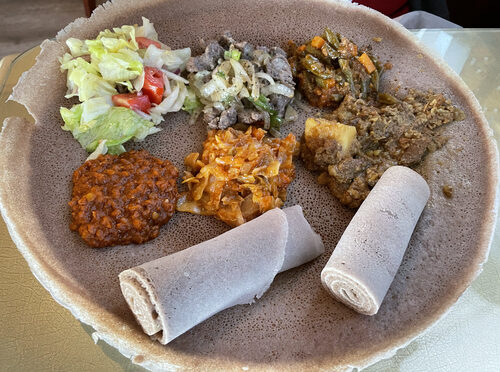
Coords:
125,80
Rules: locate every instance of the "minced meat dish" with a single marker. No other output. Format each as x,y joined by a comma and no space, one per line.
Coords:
362,138
122,199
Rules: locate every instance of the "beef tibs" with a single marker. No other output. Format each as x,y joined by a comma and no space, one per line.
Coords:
236,82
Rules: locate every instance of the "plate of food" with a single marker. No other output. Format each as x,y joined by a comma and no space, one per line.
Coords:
208,184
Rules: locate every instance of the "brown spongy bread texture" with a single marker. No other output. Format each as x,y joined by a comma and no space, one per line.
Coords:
296,325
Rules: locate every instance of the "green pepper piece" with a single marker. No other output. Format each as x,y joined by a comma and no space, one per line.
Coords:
387,99
313,65
276,122
375,61
346,69
320,82
263,103
365,87
315,52
375,78
331,38
233,53
330,52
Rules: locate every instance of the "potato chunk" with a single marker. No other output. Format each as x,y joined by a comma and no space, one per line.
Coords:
318,128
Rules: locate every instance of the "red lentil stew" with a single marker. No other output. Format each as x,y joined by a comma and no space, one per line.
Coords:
122,199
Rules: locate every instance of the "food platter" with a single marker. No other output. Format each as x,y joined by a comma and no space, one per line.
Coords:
61,271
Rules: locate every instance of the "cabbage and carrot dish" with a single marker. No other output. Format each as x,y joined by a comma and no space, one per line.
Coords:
239,175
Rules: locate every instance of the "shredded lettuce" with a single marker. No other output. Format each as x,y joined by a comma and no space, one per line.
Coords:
72,118
101,149
95,107
176,59
147,30
114,45
77,47
138,82
121,66
117,125
126,33
191,102
84,80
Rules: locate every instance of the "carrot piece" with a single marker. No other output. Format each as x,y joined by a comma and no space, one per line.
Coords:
367,62
354,49
301,48
330,83
317,42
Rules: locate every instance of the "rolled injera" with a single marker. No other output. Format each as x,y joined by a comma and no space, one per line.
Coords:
172,294
369,253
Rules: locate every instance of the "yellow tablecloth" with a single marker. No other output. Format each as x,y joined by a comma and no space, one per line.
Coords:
39,335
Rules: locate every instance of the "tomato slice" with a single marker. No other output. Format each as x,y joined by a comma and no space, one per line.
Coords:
153,84
144,42
132,101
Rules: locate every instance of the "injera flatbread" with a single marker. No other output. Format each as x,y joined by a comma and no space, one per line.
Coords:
172,294
369,252
295,325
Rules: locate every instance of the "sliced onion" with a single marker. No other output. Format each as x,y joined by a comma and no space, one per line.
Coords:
138,82
167,90
265,76
278,89
291,114
100,149
239,70
173,76
244,93
179,102
267,120
153,56
166,105
143,115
